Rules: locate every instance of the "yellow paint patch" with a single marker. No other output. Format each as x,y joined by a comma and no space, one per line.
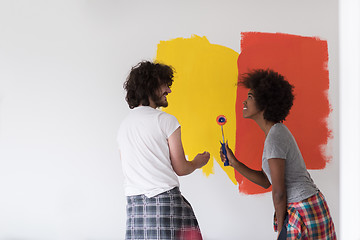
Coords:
204,87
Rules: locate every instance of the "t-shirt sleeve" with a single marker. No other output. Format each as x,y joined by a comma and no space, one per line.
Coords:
168,124
276,147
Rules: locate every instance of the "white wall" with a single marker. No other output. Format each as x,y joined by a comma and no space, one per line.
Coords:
62,65
349,118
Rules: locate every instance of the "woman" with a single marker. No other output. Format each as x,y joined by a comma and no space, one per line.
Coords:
299,205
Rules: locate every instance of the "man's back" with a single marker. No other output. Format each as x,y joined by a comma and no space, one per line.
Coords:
144,151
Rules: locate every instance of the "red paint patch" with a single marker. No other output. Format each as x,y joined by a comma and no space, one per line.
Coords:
303,62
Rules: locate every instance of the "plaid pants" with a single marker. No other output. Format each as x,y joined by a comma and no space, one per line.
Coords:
309,220
163,217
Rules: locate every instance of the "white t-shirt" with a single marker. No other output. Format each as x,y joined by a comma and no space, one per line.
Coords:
144,151
280,143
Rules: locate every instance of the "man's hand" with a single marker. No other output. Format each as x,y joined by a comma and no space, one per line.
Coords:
201,159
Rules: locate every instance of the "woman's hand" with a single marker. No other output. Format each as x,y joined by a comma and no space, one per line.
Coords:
230,155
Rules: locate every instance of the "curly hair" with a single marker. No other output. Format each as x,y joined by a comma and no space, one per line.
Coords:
144,80
272,93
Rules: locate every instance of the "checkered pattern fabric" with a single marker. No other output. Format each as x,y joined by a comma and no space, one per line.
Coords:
165,216
310,219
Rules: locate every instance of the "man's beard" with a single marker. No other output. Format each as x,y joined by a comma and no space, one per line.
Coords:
160,103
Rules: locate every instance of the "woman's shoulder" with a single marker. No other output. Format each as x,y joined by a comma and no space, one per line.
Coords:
279,131
280,127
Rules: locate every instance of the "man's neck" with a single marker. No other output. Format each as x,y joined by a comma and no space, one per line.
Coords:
152,103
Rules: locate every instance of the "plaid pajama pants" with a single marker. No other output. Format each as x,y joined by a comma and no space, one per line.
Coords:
166,216
309,220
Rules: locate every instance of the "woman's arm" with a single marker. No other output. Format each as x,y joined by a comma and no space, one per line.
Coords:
177,156
277,172
255,176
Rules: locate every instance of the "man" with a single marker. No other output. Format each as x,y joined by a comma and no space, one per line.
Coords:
153,157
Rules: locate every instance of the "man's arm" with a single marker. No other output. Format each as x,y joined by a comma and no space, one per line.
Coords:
177,156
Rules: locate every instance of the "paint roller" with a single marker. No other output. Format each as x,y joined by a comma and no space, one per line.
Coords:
221,120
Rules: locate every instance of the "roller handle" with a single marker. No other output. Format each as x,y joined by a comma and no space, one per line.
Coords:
223,148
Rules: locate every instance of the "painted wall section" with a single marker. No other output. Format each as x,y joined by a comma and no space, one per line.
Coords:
303,61
204,87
